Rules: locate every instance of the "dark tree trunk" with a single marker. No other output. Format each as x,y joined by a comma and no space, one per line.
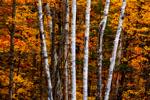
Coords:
12,32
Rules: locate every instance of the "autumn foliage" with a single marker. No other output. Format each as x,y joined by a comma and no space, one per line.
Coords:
29,76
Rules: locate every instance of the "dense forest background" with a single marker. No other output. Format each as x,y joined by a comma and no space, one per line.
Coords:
20,46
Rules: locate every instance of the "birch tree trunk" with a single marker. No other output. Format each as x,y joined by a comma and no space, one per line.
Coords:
118,63
53,50
44,50
73,49
56,83
49,17
66,46
86,51
52,38
12,32
102,27
113,58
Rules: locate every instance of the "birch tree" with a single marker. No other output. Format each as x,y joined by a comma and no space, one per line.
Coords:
119,53
48,12
66,46
56,82
113,58
73,49
44,49
102,27
86,51
12,32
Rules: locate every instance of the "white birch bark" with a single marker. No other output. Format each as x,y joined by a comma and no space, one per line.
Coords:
44,50
86,51
102,27
66,47
113,58
118,63
51,31
73,49
50,20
